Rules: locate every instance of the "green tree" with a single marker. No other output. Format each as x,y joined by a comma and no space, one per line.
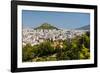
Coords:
27,53
84,53
45,49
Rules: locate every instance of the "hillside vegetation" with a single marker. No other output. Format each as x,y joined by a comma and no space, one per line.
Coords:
46,26
76,49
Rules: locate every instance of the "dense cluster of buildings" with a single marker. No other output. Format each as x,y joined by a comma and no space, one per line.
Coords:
37,36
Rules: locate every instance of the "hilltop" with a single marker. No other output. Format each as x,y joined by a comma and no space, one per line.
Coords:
46,26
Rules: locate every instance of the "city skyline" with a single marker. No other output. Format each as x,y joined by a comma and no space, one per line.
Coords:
64,20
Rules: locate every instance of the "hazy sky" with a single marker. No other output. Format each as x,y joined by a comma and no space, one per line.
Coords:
65,20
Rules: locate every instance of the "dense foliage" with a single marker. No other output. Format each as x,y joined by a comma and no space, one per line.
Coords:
73,49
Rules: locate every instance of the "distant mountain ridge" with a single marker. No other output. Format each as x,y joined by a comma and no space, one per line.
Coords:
46,26
86,27
49,26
